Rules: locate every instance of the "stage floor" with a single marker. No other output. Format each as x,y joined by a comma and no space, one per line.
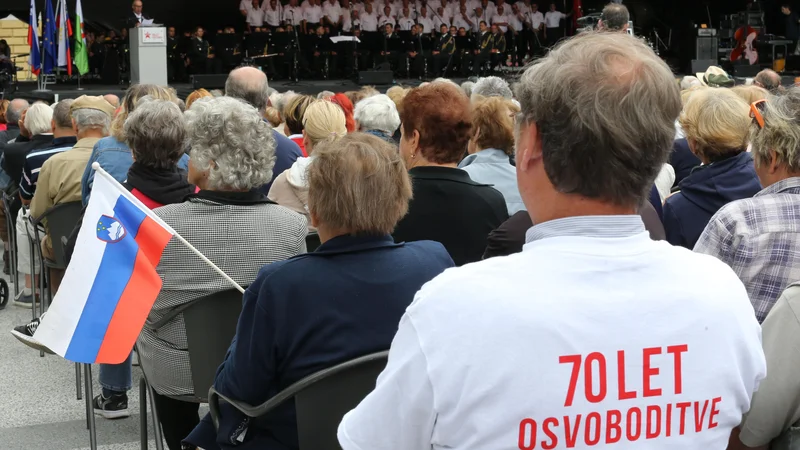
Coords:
28,90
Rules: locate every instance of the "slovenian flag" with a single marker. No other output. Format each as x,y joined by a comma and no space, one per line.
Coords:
111,283
35,59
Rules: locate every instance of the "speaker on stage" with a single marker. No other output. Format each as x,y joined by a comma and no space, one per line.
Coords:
706,47
212,81
375,77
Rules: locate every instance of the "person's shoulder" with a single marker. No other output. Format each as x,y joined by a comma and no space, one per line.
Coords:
429,253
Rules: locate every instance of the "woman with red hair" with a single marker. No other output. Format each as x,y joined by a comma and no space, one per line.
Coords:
347,106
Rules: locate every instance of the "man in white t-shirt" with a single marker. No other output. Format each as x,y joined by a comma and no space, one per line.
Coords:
405,22
584,338
332,15
312,16
425,21
369,20
254,15
386,17
552,22
500,19
272,13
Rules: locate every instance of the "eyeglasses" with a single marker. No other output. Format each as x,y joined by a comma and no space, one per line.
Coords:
756,112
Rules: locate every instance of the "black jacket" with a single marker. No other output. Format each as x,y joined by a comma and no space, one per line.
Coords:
131,20
14,154
448,207
12,131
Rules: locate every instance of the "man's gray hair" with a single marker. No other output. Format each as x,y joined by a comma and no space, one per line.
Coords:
248,84
86,118
281,100
467,88
38,119
491,87
605,107
781,132
15,109
615,16
690,81
377,113
769,80
325,94
156,133
230,141
61,114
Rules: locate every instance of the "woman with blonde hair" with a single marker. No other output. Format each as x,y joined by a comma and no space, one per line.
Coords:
293,113
112,152
3,108
323,121
716,122
491,145
196,95
751,93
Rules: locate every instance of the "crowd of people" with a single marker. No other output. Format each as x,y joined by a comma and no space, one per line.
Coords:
598,228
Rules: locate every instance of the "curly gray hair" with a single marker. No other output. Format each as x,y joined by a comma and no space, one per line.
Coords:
781,132
491,87
230,141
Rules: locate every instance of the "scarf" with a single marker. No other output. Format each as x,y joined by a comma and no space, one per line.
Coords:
163,186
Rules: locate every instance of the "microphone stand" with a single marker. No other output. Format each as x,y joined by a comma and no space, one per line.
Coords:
296,45
355,43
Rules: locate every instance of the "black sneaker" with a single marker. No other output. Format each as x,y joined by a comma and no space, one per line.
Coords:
24,333
114,407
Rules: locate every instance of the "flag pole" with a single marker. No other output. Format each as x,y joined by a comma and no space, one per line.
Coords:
99,170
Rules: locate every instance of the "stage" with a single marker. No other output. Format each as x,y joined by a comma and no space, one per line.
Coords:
28,89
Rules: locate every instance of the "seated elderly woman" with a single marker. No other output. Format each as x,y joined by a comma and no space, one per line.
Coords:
448,206
358,190
112,152
716,123
293,113
228,221
490,147
377,115
323,121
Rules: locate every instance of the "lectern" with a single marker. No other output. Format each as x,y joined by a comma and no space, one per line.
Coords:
148,55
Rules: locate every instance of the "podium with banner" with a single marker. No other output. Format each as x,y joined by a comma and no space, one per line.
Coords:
148,55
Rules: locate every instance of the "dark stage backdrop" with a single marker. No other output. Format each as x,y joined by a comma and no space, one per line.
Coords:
678,15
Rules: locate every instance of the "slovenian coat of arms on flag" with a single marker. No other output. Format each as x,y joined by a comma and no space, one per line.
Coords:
111,283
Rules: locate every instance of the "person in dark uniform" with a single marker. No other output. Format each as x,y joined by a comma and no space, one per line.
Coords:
321,52
136,17
411,58
176,66
483,53
465,46
201,60
498,51
443,52
792,26
391,48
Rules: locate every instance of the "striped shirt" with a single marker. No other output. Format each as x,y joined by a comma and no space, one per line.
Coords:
34,162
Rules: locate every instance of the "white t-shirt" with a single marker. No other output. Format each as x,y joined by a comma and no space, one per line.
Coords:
332,12
536,19
383,20
426,22
553,19
293,14
405,23
459,21
255,17
500,18
313,14
489,10
271,16
574,342
476,21
439,20
369,22
514,22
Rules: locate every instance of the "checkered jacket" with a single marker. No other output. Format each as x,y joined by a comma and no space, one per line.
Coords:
759,238
240,240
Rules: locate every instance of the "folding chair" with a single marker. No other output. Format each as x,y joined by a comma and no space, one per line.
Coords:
210,323
321,399
11,226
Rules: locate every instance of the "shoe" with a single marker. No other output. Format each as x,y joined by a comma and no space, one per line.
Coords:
114,407
24,301
24,334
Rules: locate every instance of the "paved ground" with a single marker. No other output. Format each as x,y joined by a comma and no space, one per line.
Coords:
38,404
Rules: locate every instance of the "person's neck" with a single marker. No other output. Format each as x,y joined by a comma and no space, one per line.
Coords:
63,132
433,164
90,134
570,205
326,234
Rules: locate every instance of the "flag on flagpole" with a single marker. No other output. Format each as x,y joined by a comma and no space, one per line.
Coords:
49,39
81,54
35,58
64,31
105,298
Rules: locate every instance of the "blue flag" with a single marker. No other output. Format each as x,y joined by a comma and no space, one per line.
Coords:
49,50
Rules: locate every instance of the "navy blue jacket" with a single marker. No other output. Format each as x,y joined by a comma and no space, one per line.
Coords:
308,313
703,193
682,160
286,153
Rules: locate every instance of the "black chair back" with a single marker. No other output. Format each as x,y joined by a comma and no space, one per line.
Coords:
61,220
210,327
323,402
312,242
321,399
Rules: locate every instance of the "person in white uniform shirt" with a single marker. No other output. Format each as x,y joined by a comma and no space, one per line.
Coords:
584,338
442,17
369,20
488,8
332,15
462,19
500,19
272,13
405,22
350,20
386,17
254,15
293,14
552,22
425,20
312,16
476,18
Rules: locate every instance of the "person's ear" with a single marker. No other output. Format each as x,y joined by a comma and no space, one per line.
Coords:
773,162
529,147
414,140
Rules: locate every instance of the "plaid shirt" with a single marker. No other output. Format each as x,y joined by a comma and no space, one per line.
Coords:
759,238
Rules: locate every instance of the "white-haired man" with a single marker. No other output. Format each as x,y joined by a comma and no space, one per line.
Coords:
377,115
584,338
491,87
13,113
